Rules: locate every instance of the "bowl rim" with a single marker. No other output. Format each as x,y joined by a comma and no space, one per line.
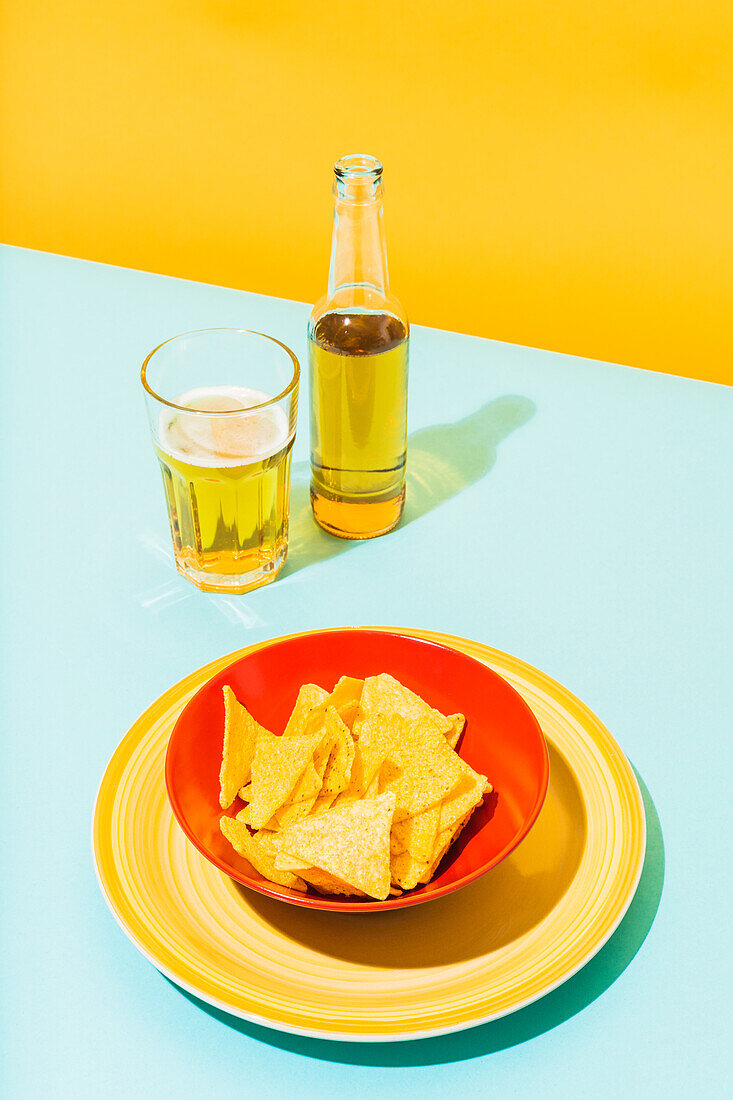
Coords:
409,898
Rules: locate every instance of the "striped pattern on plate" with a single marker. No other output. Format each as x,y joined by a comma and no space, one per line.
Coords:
478,954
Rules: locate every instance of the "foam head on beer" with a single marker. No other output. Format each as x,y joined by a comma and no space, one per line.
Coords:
222,440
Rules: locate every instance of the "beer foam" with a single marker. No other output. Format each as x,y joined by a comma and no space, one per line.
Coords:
222,440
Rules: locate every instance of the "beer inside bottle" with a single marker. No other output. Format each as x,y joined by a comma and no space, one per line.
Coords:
358,356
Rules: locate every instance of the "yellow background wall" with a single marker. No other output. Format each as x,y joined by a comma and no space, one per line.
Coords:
558,174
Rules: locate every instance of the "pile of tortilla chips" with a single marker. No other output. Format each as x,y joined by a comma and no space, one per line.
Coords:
362,795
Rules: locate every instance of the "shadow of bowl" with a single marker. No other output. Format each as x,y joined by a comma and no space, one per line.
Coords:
518,1027
484,916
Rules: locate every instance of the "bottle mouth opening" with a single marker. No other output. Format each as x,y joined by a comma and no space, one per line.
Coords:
358,166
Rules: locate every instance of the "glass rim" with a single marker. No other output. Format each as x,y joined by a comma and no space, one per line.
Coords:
221,412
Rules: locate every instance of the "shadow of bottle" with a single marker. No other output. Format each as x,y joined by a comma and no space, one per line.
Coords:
541,1016
442,460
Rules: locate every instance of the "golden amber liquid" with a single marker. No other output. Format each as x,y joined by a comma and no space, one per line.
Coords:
228,515
358,385
230,522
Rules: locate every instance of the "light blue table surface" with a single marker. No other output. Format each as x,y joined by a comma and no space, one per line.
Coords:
574,513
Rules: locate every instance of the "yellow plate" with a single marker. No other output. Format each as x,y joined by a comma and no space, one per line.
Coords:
480,953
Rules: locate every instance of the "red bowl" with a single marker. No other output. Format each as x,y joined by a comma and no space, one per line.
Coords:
502,740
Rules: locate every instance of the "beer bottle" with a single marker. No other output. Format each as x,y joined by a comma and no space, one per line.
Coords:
358,339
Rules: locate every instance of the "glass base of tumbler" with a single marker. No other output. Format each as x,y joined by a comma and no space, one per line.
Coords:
347,520
208,579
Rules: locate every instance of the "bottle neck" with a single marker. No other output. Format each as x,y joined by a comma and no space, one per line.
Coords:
358,251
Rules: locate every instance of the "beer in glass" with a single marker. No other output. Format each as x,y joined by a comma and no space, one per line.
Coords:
222,407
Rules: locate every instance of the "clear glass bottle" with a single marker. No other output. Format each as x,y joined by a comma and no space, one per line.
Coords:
358,340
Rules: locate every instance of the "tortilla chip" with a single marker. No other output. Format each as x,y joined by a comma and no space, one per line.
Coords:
406,871
465,798
345,699
338,770
445,838
244,815
329,884
417,834
375,743
355,811
385,695
350,842
321,880
388,774
396,844
333,760
429,768
240,737
278,764
309,697
355,790
301,801
458,722
369,757
284,862
372,790
259,851
409,872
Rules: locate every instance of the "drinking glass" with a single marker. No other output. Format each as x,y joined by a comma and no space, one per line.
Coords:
222,406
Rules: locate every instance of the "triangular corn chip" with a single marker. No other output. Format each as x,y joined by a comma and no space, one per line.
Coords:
361,796
345,699
465,798
333,760
338,770
367,761
240,736
356,787
429,767
301,802
406,871
350,842
321,880
385,695
329,884
258,850
445,838
278,764
384,780
417,834
457,721
244,815
309,696
396,843
284,862
372,790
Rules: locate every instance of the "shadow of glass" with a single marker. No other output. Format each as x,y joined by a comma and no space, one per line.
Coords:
544,1015
441,461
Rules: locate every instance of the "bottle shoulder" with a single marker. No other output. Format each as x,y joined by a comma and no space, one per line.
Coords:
355,302
348,332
